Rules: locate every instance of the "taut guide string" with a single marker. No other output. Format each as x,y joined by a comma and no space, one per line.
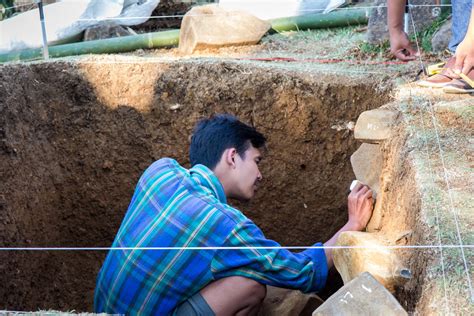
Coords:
448,186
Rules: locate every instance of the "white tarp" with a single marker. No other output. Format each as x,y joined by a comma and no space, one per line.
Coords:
272,9
67,19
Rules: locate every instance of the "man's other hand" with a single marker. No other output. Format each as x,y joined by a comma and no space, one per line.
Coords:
401,47
360,205
465,56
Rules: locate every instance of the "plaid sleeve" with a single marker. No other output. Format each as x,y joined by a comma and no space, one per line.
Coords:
306,271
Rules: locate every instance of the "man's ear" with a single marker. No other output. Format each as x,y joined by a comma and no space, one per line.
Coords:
229,155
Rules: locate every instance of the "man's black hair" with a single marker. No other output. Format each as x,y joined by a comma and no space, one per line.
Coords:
212,136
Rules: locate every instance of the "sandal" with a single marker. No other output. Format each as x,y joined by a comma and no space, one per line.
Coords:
442,77
463,85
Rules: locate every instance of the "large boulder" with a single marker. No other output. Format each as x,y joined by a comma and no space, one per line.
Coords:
210,26
361,252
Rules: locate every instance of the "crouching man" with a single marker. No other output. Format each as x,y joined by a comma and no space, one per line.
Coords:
216,261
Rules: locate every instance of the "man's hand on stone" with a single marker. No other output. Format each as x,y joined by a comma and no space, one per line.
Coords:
360,205
401,47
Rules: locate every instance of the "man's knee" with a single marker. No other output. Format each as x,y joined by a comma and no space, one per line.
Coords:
254,289
237,286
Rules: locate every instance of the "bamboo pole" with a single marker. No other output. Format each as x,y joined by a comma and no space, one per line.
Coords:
105,46
337,18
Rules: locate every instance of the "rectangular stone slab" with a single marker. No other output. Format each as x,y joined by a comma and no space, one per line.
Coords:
367,163
362,296
375,126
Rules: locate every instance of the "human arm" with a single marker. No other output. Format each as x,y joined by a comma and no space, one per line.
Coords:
253,256
465,50
360,204
400,45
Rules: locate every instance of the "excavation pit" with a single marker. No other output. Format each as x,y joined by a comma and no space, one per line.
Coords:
75,137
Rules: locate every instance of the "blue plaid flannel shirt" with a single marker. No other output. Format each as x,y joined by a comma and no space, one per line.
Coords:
176,207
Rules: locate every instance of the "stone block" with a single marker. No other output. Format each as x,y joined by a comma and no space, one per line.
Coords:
375,126
367,162
440,40
210,26
423,12
362,296
286,302
371,255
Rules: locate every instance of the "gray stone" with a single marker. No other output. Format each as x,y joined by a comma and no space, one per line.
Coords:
375,126
423,17
440,40
372,256
210,27
367,162
362,296
286,302
105,30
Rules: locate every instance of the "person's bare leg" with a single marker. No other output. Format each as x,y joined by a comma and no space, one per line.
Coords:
234,296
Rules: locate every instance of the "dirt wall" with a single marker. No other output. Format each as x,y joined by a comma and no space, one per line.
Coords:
74,139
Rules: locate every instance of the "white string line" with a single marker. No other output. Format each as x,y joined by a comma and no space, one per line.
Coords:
438,225
307,10
448,186
9,312
231,248
231,13
182,15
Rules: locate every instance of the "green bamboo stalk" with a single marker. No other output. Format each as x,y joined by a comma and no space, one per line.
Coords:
336,18
104,46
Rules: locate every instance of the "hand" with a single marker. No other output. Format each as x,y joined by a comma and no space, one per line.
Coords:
465,56
401,47
360,205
